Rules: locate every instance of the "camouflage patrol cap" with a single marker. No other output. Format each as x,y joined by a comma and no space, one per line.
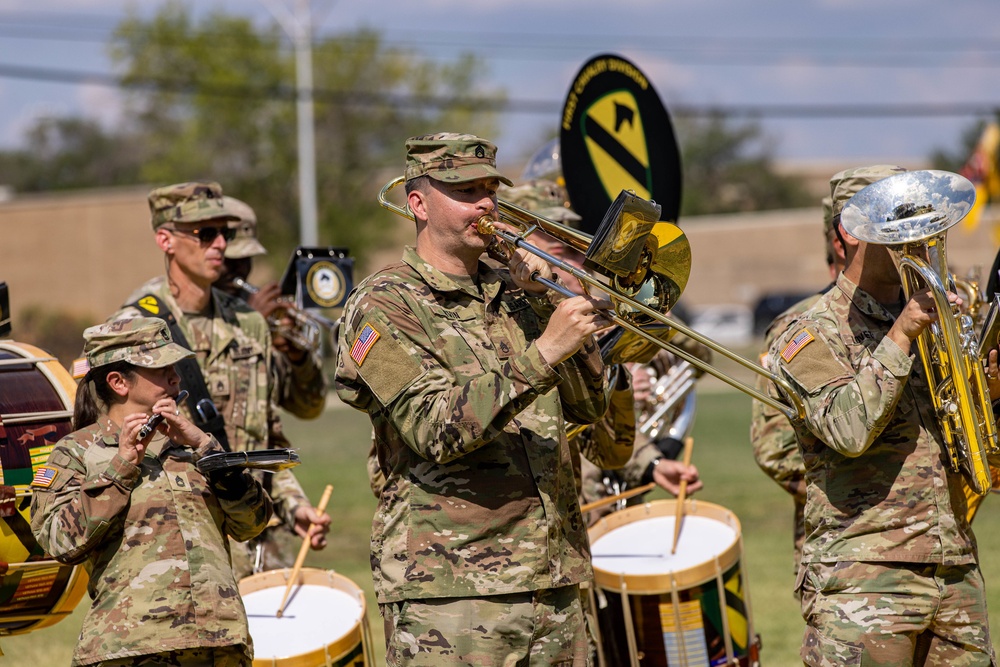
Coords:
246,243
452,158
827,205
141,341
544,197
849,182
196,201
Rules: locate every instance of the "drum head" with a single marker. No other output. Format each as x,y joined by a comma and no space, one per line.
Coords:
323,613
631,549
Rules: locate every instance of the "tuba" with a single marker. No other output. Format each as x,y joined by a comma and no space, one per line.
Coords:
910,213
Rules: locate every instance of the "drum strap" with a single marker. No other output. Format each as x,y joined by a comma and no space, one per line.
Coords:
192,378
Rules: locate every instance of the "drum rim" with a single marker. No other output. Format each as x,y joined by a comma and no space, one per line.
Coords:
336,649
651,584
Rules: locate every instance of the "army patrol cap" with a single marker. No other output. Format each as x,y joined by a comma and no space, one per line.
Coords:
544,197
141,341
246,243
196,201
452,158
849,182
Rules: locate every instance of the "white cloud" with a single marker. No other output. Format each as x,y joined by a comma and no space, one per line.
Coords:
101,103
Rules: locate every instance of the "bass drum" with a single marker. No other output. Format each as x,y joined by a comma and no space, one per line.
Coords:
36,408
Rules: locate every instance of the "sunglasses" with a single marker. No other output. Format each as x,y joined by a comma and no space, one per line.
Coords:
207,235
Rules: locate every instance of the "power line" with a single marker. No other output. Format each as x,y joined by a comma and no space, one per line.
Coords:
747,51
481,103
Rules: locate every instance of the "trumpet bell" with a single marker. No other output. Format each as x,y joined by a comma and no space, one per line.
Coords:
908,207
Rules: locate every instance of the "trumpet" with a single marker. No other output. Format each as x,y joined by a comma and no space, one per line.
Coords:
910,213
640,297
306,329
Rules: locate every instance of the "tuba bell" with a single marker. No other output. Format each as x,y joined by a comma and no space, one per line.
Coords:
910,213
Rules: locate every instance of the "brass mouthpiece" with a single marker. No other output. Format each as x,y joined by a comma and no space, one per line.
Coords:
486,224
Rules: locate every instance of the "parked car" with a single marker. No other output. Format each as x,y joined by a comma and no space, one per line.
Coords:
729,324
772,305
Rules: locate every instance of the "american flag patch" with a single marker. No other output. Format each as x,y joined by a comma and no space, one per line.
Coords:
79,368
44,477
363,344
801,339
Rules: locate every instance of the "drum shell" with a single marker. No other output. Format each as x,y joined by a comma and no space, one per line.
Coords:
348,650
639,614
36,407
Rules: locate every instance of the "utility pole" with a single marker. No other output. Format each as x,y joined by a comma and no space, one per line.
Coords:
298,26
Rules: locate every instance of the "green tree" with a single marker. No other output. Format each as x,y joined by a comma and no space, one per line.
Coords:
730,168
71,153
214,98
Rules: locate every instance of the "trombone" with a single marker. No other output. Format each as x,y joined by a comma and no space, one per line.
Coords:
630,294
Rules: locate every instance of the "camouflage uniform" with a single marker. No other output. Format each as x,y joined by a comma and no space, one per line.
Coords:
889,560
775,447
152,538
480,499
772,436
236,360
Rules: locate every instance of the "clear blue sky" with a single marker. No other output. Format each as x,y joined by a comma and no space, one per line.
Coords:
919,55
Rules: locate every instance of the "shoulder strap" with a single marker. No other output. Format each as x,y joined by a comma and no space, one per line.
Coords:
205,414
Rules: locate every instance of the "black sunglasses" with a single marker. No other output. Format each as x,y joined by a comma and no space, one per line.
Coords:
207,235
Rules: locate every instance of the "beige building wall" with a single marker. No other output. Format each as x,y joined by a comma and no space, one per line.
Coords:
84,252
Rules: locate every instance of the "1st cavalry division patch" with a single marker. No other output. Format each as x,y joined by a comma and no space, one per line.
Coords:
801,339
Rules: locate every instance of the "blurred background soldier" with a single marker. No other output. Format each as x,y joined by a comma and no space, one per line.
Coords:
232,386
299,383
304,389
775,447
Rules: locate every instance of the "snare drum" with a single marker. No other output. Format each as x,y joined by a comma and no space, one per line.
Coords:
688,609
36,408
324,621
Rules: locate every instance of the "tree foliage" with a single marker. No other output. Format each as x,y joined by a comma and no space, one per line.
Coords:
730,168
216,99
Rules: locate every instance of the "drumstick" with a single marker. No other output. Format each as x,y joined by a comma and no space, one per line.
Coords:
679,515
597,504
303,550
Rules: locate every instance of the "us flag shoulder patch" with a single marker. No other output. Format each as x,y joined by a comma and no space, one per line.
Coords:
363,343
44,477
795,346
79,368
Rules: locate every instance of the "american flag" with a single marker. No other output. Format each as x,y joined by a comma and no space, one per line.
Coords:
44,477
801,339
364,342
79,368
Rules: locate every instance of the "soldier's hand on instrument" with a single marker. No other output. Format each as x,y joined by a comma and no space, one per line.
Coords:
993,374
668,475
918,313
641,383
523,265
130,447
572,323
265,300
309,522
177,427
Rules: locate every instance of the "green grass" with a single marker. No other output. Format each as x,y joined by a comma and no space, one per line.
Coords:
334,448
